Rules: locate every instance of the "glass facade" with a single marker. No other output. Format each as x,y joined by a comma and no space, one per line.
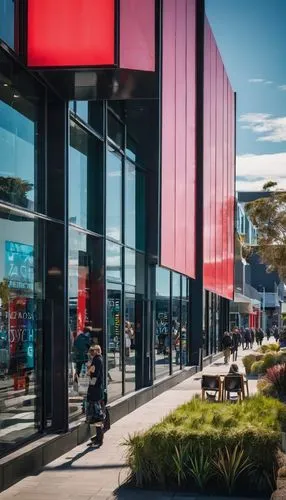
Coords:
8,30
79,256
21,298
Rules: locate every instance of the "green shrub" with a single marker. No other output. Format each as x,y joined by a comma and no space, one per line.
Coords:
230,465
269,347
248,362
265,388
270,359
257,368
177,452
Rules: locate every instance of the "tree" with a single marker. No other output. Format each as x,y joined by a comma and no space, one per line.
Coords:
14,190
268,215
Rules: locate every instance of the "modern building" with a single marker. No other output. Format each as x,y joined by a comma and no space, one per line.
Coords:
259,295
246,308
117,164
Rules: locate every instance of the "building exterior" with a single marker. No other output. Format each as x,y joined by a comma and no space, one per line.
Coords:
259,295
246,308
116,201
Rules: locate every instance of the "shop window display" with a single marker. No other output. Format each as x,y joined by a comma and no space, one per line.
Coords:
162,325
130,341
86,302
20,328
114,340
176,321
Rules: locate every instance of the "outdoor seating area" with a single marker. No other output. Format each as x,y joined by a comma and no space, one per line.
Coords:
226,387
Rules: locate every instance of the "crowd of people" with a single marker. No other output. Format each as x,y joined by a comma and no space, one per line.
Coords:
246,337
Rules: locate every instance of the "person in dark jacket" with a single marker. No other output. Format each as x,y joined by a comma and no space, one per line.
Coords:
247,338
226,345
260,336
95,394
235,344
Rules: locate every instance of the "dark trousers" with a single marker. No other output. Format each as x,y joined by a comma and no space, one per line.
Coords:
234,354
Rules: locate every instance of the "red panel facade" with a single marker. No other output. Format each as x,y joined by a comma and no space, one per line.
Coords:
137,34
71,33
178,136
219,172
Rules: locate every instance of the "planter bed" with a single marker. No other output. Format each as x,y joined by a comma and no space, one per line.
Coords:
211,448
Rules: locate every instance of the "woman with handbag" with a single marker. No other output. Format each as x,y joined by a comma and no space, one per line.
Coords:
95,410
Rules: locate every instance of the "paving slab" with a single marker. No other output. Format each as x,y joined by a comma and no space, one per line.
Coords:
86,473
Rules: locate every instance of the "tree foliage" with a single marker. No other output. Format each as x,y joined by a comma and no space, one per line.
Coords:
14,190
268,215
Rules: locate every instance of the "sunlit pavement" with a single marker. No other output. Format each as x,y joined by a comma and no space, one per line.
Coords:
89,474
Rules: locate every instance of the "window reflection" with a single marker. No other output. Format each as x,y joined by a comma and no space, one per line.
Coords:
115,130
20,327
130,205
7,22
86,296
176,321
85,179
114,336
163,337
82,110
113,261
18,129
130,340
130,267
113,195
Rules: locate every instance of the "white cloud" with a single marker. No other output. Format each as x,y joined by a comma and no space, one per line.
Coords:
254,170
260,80
267,127
256,80
282,87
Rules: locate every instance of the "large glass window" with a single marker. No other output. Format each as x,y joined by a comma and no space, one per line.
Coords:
86,302
113,261
18,147
129,333
114,336
163,330
135,207
130,205
7,22
140,210
20,328
176,321
85,179
115,130
114,195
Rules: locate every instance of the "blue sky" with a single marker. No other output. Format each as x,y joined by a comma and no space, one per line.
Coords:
251,37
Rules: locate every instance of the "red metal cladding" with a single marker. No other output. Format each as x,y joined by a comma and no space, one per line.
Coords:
180,151
168,136
218,173
71,33
137,34
213,111
207,157
190,138
178,136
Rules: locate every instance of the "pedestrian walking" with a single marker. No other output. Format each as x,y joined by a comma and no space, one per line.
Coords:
247,338
226,345
268,334
235,344
260,336
95,407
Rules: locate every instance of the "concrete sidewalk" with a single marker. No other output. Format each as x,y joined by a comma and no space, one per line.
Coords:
90,474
